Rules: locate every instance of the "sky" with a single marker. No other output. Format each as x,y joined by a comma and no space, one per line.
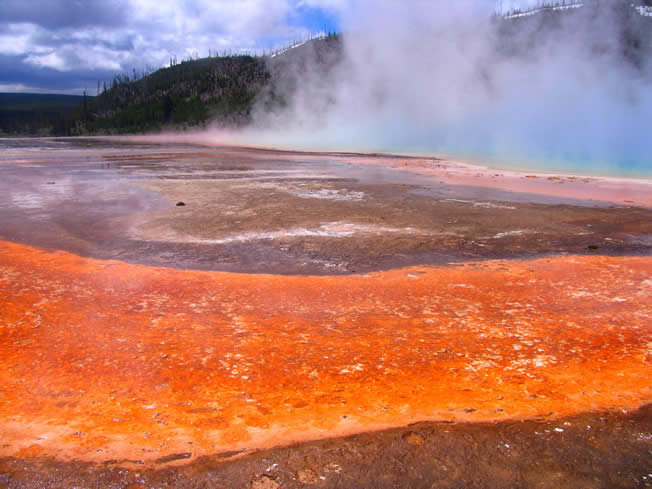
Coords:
67,46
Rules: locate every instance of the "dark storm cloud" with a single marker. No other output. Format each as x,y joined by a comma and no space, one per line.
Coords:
65,13
15,74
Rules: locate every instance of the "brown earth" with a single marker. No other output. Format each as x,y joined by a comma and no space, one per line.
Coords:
608,450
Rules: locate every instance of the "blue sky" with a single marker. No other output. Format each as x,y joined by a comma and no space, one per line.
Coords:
315,19
66,46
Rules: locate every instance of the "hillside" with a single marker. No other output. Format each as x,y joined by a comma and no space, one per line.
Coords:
221,90
187,93
587,22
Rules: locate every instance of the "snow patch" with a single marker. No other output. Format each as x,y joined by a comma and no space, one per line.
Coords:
518,14
295,45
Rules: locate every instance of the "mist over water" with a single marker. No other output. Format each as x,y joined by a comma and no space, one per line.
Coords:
555,92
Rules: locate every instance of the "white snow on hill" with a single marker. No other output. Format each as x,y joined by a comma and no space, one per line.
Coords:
542,9
642,10
296,45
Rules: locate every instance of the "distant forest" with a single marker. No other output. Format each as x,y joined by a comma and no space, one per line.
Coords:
32,114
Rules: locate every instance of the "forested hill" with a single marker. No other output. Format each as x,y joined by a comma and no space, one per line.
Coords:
185,94
593,21
188,93
219,89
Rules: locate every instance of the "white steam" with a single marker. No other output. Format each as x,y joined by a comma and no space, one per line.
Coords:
437,76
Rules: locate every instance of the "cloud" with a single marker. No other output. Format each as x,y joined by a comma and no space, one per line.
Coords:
77,40
56,14
50,60
334,5
82,40
15,39
244,19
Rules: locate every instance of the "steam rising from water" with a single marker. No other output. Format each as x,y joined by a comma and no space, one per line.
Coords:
438,77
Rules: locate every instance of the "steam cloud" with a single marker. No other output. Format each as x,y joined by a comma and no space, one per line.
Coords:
443,77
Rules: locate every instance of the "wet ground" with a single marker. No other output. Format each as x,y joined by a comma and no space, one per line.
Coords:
518,338
269,212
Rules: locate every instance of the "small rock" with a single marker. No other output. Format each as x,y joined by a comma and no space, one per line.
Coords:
413,439
265,482
181,204
593,247
307,476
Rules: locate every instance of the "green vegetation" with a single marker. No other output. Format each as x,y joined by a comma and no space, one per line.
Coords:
185,94
39,114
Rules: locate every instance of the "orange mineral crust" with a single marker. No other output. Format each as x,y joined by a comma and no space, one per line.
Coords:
105,360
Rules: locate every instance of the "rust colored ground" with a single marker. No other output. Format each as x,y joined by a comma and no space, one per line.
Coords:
105,360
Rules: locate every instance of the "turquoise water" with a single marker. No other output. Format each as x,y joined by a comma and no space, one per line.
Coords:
553,163
633,163
542,160
622,153
560,131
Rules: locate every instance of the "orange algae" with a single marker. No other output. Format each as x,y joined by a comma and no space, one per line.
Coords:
107,360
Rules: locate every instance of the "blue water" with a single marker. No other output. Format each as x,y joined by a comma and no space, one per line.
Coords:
629,157
620,153
553,162
561,131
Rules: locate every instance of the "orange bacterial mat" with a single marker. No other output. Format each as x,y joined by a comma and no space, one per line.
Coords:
106,360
